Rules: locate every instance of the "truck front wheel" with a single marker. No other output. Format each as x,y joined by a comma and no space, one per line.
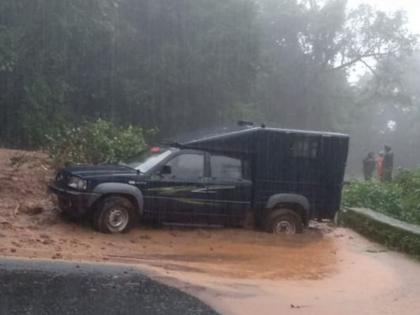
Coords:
283,221
114,214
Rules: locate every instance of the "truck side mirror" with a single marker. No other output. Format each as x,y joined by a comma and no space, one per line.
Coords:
166,170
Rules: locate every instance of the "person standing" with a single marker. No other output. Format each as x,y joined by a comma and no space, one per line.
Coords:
379,166
369,166
388,164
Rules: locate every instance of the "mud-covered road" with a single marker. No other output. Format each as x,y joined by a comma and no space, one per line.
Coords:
324,271
364,279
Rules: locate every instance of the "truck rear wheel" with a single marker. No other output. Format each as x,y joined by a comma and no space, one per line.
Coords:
114,214
284,221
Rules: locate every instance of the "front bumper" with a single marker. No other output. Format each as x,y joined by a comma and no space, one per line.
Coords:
75,203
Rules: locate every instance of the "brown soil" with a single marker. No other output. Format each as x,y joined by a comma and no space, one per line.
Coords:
23,182
323,271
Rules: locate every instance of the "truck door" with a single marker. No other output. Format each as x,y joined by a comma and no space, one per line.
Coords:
229,187
177,191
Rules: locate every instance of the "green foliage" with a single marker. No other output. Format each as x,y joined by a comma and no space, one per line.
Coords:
95,142
374,195
399,199
172,65
409,182
184,65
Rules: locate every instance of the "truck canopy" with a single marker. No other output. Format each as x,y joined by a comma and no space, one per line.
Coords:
308,163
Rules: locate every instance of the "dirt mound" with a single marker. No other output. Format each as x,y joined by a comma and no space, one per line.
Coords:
23,180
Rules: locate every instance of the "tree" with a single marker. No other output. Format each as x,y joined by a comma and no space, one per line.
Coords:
388,110
180,66
174,66
308,49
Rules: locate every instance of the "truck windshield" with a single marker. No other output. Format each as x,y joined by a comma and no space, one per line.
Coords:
147,160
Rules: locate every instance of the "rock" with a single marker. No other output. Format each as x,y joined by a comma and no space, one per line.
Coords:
6,225
47,241
57,256
33,210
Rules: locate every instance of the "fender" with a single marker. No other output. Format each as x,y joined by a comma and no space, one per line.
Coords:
289,198
118,188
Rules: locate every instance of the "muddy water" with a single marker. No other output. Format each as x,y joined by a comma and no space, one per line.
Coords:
366,280
231,253
239,254
324,271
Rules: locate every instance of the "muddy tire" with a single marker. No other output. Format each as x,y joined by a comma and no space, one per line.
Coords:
283,221
114,214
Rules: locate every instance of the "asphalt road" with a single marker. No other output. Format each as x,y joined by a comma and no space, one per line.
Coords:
39,287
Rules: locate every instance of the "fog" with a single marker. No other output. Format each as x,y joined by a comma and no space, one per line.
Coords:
176,67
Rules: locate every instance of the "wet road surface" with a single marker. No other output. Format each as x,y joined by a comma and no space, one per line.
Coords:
42,287
367,279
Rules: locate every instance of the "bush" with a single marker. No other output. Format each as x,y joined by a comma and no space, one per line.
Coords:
95,142
385,198
399,199
409,182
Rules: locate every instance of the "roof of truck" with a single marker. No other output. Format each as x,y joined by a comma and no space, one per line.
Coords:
241,140
311,132
247,131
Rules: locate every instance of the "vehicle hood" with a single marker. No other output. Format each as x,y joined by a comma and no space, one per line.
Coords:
91,171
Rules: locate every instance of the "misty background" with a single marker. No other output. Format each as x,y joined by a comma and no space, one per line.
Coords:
177,66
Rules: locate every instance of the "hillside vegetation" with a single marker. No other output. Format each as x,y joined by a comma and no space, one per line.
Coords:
399,199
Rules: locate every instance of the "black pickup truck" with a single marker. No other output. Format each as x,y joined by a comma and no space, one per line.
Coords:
280,178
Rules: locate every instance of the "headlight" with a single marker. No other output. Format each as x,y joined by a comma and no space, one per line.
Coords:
77,183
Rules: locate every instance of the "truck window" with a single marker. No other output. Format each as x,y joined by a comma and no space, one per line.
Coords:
227,167
186,166
305,148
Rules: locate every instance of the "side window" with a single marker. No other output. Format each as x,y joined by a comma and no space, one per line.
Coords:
226,167
188,165
305,148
